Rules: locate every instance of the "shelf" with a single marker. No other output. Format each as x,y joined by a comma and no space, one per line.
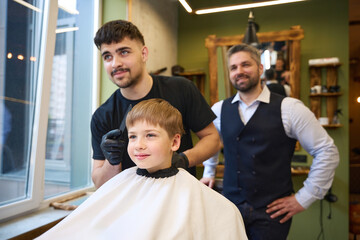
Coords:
191,73
332,125
198,77
336,94
325,65
316,79
295,170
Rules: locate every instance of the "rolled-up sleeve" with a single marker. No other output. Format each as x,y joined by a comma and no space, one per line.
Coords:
300,123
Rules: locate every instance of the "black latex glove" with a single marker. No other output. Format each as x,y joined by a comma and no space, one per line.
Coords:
179,160
114,145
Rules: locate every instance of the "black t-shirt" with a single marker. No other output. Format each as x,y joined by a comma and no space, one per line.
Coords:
178,91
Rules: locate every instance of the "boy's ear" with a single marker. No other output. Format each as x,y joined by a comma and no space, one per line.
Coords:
176,142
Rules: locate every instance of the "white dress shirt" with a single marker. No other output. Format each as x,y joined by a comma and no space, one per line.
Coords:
301,124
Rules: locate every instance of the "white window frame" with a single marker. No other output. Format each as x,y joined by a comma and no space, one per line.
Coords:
35,189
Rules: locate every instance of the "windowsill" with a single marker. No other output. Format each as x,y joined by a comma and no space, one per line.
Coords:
34,224
31,225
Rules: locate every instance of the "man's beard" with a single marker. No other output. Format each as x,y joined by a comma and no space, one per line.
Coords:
246,86
126,81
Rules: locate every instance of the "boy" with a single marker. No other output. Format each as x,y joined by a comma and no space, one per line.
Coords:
153,200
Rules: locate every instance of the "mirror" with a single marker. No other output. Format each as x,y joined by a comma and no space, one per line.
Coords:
291,38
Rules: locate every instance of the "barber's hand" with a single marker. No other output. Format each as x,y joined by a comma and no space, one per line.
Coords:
179,160
114,145
287,206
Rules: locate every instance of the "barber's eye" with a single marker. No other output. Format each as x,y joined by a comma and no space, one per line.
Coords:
107,57
124,52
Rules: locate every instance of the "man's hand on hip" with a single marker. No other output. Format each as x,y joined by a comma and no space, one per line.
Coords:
287,206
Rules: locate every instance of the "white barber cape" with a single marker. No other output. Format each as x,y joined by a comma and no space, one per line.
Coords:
131,206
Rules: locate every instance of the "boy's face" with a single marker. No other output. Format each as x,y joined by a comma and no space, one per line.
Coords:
124,61
150,147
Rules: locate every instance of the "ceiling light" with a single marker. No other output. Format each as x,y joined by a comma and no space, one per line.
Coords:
250,32
186,5
245,6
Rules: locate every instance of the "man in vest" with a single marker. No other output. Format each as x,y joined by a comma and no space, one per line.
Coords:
259,130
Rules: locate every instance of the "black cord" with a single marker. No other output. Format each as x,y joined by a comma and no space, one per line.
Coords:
321,222
329,216
331,198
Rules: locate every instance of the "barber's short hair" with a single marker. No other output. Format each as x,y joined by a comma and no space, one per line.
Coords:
270,74
115,31
157,111
254,52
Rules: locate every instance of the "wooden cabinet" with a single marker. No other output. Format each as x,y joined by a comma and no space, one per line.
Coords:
316,99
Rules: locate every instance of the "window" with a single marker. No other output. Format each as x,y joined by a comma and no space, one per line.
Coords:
46,100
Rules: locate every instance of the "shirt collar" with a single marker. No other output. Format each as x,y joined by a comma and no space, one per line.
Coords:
271,81
263,97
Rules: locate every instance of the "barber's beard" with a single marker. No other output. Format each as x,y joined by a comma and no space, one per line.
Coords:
127,81
248,85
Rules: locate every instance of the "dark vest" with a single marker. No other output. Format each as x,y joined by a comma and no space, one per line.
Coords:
258,155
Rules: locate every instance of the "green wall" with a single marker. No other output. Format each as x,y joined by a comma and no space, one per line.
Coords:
325,24
112,10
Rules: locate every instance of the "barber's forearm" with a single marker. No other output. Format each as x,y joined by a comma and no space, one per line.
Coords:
207,147
103,171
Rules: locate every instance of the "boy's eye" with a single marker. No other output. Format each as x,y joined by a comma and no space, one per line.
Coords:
132,136
150,135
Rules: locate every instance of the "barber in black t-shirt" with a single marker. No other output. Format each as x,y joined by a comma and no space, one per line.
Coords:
124,55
